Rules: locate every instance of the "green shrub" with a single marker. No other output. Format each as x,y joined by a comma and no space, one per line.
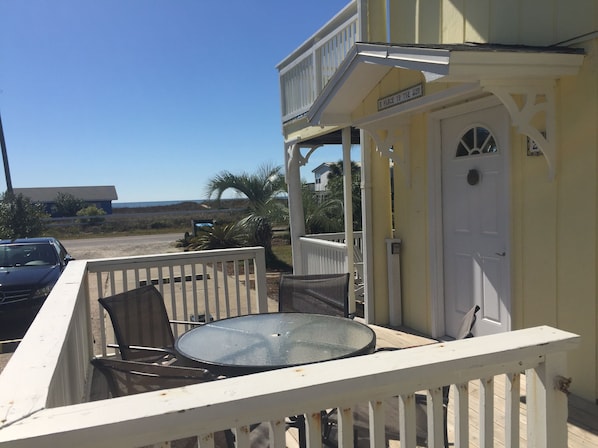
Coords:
19,217
66,204
91,216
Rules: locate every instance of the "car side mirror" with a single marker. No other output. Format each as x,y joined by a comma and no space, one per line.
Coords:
67,259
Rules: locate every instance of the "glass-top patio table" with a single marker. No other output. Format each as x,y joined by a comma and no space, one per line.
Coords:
260,342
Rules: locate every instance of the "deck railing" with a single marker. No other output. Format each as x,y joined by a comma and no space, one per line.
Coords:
202,285
52,361
44,387
305,72
321,256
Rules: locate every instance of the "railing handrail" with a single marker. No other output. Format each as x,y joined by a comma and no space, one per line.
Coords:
323,243
157,260
330,27
267,397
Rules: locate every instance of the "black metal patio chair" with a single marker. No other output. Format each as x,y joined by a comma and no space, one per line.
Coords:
134,377
321,294
316,293
141,325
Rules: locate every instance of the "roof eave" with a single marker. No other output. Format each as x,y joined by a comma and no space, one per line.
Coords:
366,64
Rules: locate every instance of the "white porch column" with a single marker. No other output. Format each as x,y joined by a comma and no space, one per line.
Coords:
296,217
366,219
348,199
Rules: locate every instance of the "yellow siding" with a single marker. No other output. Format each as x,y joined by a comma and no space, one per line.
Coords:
477,25
530,22
411,225
577,223
380,227
536,244
429,21
452,21
505,23
376,21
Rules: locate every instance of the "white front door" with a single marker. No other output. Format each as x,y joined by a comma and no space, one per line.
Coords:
475,219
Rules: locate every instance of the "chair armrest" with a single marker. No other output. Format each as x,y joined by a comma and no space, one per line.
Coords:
186,322
145,348
201,319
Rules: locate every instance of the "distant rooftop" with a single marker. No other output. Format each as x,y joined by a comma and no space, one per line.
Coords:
48,194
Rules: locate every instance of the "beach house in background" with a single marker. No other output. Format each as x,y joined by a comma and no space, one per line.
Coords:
100,196
487,111
321,176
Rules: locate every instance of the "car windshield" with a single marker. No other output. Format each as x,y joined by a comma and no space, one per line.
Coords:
31,254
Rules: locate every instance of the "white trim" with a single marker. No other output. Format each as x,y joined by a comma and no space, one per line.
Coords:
436,243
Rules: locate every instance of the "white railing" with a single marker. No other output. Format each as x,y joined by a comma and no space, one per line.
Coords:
320,256
305,72
51,366
237,403
215,283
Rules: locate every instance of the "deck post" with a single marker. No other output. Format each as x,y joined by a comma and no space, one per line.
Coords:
296,216
547,403
261,288
348,200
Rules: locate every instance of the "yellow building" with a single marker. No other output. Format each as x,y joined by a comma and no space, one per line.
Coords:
488,112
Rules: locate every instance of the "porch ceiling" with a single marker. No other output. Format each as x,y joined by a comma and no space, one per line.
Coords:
367,63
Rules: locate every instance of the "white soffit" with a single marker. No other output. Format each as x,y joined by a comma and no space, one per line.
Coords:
366,64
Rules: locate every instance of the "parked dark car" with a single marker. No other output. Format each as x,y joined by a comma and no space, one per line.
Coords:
29,268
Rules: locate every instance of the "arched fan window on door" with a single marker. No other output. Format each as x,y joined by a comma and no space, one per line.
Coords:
477,140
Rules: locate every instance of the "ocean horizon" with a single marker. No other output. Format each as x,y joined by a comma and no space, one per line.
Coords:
153,203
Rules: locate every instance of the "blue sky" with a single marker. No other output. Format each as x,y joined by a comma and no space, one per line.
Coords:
152,96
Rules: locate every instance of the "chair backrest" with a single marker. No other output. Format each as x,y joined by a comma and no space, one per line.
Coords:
139,318
467,323
318,293
134,377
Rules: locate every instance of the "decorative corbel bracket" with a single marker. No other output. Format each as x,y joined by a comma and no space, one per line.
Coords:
392,141
527,101
295,150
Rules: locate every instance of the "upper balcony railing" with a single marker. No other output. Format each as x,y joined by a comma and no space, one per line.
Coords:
45,387
305,72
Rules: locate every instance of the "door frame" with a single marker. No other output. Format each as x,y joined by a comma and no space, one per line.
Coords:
435,231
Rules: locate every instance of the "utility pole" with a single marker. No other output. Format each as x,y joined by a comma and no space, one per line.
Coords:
5,159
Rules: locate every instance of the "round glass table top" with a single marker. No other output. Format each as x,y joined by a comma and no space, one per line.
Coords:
259,342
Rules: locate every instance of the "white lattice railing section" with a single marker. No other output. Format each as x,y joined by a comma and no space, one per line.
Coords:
305,72
237,403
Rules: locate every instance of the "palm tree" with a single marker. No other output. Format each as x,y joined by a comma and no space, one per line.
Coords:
322,215
335,188
262,189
